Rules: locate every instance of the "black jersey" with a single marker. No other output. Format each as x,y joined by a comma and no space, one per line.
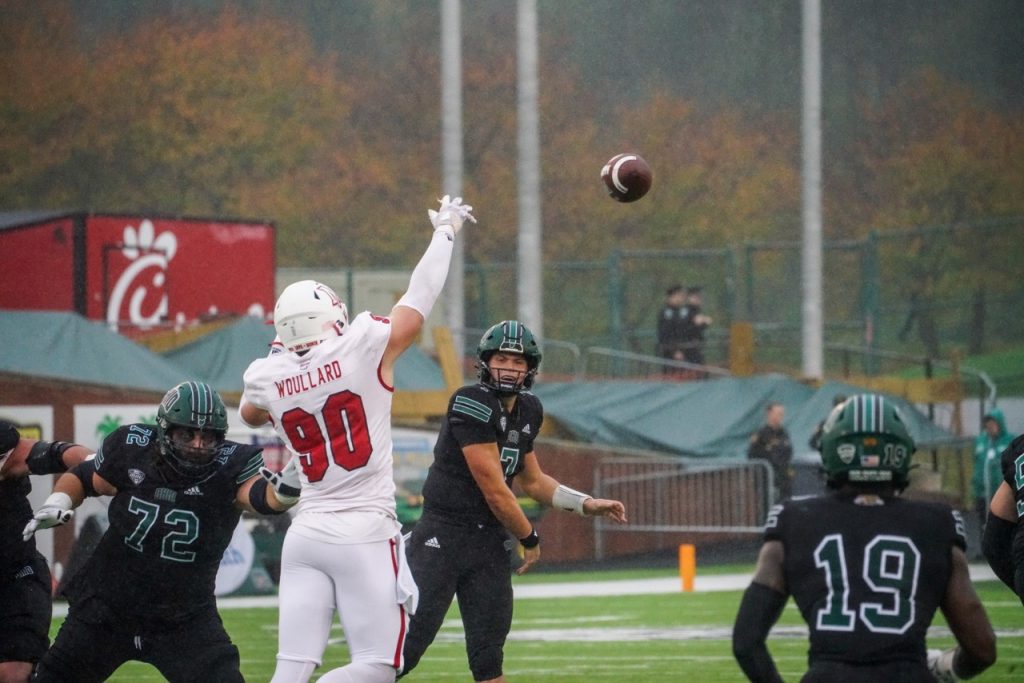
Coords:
476,415
15,513
866,578
159,558
1012,461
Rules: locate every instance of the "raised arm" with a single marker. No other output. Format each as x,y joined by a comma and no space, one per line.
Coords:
427,280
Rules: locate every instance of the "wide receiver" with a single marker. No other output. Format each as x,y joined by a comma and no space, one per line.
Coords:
866,568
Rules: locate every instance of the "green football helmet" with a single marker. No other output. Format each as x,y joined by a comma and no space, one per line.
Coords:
864,441
508,336
191,424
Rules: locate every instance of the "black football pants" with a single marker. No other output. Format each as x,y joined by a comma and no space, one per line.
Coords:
85,651
471,563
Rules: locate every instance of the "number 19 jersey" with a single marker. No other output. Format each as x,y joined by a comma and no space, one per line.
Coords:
333,410
867,578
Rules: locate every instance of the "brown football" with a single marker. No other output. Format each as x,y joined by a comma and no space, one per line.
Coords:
627,176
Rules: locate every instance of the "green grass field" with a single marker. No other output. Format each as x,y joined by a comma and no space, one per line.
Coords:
678,637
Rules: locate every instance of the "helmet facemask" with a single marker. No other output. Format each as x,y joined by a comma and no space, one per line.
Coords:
191,425
505,380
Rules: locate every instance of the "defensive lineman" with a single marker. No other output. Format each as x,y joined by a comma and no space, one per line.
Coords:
866,568
329,395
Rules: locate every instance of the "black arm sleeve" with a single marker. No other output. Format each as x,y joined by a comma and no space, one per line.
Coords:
997,543
1018,561
47,457
759,610
258,498
84,471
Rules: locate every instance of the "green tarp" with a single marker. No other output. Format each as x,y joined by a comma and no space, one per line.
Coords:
708,419
62,345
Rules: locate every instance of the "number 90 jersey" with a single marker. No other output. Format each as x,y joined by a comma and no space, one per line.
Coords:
333,410
867,578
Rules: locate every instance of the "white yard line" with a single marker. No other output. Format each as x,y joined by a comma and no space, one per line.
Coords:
702,584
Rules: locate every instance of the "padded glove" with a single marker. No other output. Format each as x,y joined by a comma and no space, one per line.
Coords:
287,486
452,213
54,512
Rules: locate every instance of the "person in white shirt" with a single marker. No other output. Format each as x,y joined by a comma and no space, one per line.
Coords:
327,387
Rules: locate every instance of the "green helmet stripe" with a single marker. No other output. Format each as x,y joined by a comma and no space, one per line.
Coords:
512,337
199,403
868,413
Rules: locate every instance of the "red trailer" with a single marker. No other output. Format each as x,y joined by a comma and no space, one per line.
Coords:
136,272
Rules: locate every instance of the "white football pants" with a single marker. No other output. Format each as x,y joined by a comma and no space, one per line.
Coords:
359,580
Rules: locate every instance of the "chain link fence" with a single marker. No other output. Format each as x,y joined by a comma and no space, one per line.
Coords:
921,292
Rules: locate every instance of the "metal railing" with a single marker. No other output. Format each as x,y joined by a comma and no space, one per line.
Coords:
604,363
676,495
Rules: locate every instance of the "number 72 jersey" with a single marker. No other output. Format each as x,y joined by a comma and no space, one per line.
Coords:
866,578
332,409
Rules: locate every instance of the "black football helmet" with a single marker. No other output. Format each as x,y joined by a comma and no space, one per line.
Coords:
191,425
508,336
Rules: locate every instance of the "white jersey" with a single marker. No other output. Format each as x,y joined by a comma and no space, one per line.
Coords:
333,410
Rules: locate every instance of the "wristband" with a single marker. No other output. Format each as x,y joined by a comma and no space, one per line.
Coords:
530,541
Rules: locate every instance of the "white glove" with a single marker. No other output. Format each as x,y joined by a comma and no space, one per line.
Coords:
940,664
452,213
55,511
287,486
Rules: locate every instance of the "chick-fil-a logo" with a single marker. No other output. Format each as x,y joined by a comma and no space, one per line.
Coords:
149,254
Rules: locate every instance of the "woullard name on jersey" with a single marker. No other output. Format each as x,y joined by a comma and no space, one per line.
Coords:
309,379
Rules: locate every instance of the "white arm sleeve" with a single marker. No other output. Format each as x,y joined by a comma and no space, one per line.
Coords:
429,275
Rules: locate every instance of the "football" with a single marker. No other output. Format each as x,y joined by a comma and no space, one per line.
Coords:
627,176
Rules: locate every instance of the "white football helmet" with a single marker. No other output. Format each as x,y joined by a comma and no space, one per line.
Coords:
306,313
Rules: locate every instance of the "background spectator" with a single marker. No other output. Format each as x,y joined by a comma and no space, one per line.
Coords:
672,324
771,442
